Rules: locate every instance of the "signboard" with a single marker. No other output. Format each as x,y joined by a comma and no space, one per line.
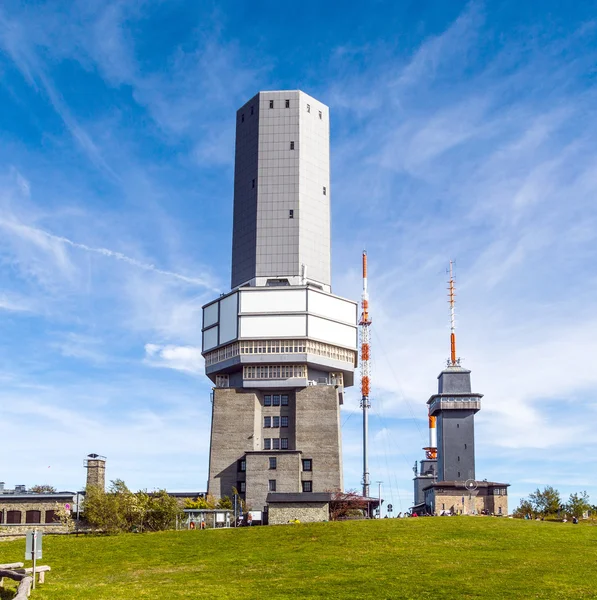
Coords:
255,515
220,517
33,542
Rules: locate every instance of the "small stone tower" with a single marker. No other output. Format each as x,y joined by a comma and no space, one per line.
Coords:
96,470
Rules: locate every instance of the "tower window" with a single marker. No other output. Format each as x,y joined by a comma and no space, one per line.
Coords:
325,192
267,421
253,184
242,486
320,115
291,214
272,485
284,443
242,465
308,108
251,110
267,400
459,459
271,104
276,400
276,445
458,473
457,425
267,444
307,464
292,145
284,400
307,486
287,103
284,421
276,422
465,446
273,462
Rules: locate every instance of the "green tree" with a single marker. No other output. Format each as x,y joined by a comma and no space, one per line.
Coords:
224,503
199,503
578,504
43,489
524,508
546,502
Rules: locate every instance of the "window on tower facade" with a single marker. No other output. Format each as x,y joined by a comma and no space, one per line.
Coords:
320,115
283,443
272,485
307,464
271,104
251,110
292,145
267,400
307,486
284,400
267,421
324,191
276,422
276,400
242,465
308,108
267,444
253,183
273,462
291,214
287,103
242,486
284,421
242,118
276,442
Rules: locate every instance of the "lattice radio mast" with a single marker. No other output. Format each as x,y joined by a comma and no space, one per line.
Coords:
364,325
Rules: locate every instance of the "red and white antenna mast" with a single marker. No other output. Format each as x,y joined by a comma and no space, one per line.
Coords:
364,325
453,362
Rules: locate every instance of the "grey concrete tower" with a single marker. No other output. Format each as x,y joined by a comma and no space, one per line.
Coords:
279,347
455,406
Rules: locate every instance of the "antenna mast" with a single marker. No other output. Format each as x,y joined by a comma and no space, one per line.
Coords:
453,362
364,324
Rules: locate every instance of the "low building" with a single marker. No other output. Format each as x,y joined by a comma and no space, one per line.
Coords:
285,508
460,498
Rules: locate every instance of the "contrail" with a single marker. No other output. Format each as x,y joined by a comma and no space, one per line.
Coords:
110,253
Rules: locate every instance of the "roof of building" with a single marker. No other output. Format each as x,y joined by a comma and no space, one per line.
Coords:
31,496
462,484
280,497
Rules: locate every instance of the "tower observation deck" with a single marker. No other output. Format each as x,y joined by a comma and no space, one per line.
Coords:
279,347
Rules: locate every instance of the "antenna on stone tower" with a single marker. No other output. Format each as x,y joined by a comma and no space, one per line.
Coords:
364,324
453,362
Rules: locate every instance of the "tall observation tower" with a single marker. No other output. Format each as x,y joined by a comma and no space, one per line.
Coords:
279,347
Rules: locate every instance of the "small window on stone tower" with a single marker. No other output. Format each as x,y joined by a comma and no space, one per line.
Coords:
325,192
284,443
320,115
465,446
273,462
287,103
267,421
459,459
291,214
307,486
292,145
458,473
308,108
251,110
271,104
242,118
253,184
272,485
267,444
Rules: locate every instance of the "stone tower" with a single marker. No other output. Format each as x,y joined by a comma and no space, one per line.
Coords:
279,347
96,470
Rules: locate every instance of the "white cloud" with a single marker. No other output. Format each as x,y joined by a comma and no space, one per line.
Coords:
180,358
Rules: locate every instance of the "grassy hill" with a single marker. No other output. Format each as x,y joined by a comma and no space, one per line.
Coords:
407,558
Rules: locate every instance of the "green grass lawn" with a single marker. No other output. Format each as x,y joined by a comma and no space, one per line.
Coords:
392,558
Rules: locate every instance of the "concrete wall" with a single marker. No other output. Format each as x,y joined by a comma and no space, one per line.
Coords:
238,432
456,445
318,435
474,503
305,512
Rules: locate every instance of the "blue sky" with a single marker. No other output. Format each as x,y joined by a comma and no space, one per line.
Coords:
459,130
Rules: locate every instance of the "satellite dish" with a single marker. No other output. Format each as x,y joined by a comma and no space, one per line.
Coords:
470,484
